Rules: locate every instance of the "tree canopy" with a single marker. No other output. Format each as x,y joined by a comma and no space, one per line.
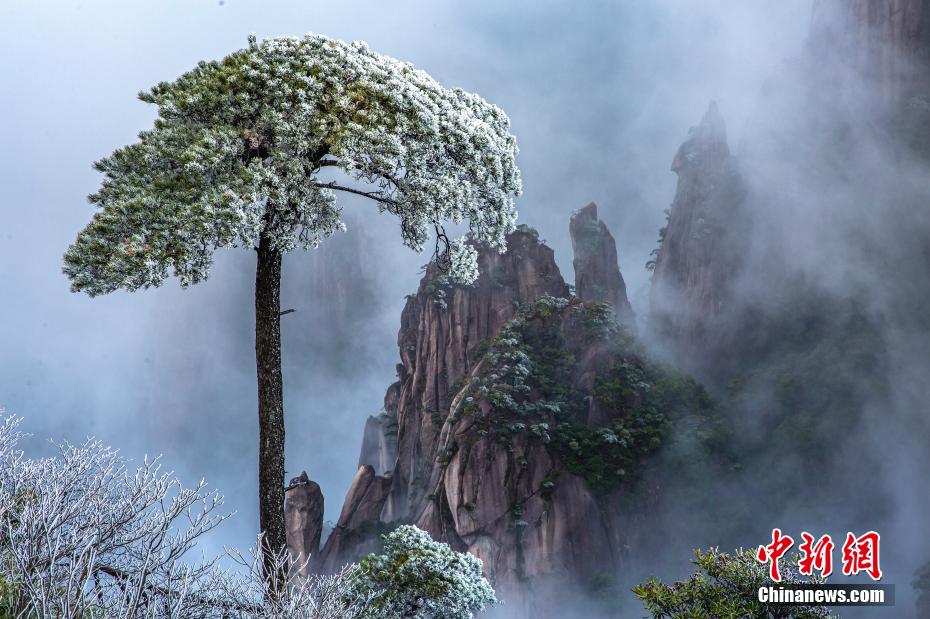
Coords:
238,146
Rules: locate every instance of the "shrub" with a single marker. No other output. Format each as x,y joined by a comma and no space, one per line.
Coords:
419,577
82,535
723,586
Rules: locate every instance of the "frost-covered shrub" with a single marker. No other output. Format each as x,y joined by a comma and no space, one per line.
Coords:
83,535
422,578
80,533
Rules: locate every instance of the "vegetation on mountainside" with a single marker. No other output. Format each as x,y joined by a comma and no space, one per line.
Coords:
528,382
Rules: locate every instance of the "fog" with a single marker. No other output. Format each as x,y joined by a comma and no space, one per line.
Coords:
600,95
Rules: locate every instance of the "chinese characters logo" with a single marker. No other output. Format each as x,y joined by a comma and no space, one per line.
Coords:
859,554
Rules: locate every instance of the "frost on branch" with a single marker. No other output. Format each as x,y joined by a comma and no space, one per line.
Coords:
419,577
463,262
239,145
81,535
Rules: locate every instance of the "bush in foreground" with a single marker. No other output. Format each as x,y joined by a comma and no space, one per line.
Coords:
723,586
82,535
418,577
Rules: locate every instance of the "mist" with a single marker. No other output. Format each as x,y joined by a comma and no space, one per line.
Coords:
600,95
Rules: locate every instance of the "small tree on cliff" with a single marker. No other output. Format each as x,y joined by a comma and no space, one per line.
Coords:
235,158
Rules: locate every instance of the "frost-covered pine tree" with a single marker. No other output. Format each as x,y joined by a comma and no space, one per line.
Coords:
236,159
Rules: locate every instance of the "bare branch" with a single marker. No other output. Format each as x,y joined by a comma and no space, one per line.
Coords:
374,195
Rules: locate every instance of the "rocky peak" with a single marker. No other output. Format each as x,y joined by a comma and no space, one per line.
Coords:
303,516
379,443
443,329
597,274
695,261
706,147
519,418
356,531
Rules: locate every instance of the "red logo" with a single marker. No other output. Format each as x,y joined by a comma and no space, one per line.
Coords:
817,556
774,551
860,554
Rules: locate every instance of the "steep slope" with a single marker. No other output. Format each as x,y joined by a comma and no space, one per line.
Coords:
698,257
801,308
527,427
597,274
442,327
886,42
549,436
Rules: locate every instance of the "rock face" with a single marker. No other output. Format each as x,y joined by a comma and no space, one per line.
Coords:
510,404
339,279
785,208
335,296
303,516
441,329
887,42
597,274
749,290
379,444
508,497
356,531
696,259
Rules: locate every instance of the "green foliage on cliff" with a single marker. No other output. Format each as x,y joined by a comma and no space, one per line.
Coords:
529,387
652,399
654,254
607,455
530,230
817,366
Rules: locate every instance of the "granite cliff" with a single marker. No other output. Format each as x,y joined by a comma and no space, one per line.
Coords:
525,424
697,259
788,272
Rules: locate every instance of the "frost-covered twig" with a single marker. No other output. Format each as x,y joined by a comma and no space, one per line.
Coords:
82,535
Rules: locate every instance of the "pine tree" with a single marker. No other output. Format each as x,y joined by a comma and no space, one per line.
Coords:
234,160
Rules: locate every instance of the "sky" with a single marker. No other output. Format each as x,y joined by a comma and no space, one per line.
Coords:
600,95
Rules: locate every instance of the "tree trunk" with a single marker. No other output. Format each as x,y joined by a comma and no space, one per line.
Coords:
270,403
